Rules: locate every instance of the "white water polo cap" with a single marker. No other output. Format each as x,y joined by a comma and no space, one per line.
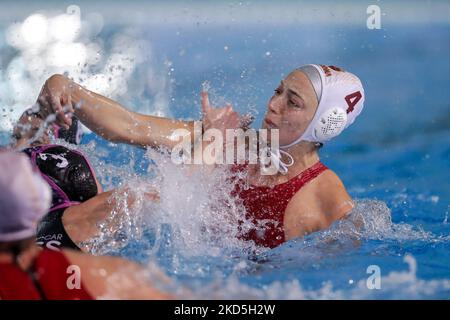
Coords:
341,99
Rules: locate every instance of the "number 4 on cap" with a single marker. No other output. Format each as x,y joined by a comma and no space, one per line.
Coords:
352,99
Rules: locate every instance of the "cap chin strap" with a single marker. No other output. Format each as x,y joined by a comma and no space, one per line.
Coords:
275,155
275,160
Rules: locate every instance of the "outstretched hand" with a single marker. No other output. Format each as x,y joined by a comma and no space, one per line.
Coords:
222,118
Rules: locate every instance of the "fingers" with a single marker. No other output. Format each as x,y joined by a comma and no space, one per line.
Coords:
59,112
222,118
206,107
62,119
245,121
230,120
44,107
55,98
68,108
234,120
49,105
67,104
228,108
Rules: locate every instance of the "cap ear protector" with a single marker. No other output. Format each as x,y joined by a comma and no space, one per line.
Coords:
330,124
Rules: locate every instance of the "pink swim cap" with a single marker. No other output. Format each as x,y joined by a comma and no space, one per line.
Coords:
24,197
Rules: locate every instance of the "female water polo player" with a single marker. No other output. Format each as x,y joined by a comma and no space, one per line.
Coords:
27,272
78,202
312,105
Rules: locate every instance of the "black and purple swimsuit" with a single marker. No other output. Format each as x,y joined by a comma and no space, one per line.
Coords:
72,180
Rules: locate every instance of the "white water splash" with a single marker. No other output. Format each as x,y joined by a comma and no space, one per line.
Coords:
196,203
195,207
371,219
203,233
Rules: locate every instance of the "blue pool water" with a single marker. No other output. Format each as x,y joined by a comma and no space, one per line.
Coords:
395,160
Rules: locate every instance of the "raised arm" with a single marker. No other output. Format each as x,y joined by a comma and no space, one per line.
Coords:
113,122
82,221
104,116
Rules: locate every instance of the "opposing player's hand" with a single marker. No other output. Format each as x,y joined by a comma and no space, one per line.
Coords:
56,98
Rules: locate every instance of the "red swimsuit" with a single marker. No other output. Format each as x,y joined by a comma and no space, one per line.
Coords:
265,206
51,274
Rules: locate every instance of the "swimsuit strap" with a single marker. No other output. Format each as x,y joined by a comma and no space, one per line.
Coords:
309,174
63,205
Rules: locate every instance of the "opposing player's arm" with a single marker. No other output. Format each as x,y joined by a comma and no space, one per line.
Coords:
107,277
112,121
81,222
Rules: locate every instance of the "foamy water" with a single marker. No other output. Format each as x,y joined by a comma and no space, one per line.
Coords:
398,176
190,235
